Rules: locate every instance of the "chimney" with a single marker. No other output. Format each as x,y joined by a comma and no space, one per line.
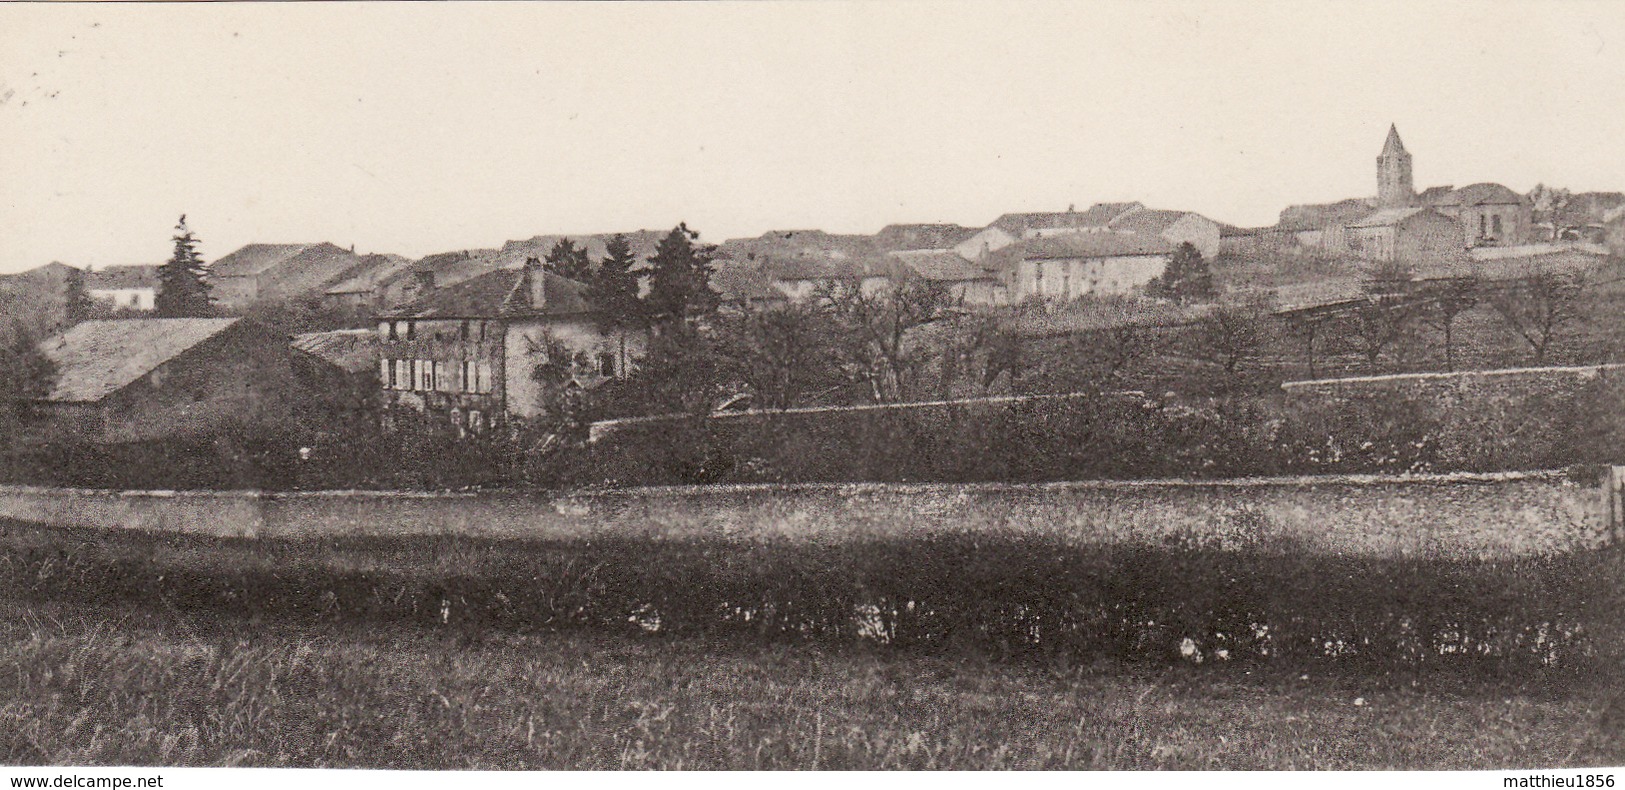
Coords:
535,283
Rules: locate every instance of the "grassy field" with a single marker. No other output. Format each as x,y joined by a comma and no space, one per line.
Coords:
103,685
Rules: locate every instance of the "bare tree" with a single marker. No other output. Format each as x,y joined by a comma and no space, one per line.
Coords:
877,323
1542,307
1382,323
1308,325
1446,301
1232,335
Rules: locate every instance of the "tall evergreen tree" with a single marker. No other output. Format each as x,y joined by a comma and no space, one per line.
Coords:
613,290
182,292
78,304
568,260
680,281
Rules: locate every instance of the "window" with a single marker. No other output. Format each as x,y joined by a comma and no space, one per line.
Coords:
465,330
1495,225
386,372
606,364
1483,226
411,329
483,380
476,421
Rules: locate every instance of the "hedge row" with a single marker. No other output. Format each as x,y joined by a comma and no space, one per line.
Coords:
1003,596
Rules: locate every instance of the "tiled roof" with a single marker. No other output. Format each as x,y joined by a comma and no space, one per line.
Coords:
1432,195
825,269
1149,220
497,294
939,236
1315,216
375,270
1480,194
1095,245
945,267
1098,216
95,359
1388,216
121,277
252,259
352,350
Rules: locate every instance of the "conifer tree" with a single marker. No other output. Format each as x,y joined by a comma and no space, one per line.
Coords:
680,281
182,292
78,304
613,292
1187,278
568,260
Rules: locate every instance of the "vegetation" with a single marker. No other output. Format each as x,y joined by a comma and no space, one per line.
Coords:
25,374
1187,278
182,291
568,260
345,696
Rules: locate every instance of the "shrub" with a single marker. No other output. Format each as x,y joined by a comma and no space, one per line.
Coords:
1227,591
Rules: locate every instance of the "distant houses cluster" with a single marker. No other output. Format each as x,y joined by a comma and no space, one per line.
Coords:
458,333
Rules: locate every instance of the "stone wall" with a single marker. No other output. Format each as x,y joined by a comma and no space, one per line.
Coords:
1461,389
1445,516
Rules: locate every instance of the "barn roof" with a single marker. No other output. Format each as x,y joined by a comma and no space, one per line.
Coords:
95,359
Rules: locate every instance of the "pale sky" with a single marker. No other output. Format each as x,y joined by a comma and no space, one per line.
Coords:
419,128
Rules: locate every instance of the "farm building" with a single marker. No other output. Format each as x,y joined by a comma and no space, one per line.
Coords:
140,379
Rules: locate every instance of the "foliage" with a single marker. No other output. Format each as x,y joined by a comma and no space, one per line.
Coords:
78,306
1245,596
876,326
1186,279
182,291
780,355
679,281
199,689
570,261
25,374
613,287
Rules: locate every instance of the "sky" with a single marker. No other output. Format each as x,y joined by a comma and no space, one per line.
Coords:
416,128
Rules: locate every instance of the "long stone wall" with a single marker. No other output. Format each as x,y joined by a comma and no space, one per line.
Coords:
1462,388
1455,516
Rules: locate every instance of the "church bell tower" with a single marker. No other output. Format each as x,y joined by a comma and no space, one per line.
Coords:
1394,187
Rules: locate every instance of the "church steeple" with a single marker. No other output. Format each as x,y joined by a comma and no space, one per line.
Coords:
1394,187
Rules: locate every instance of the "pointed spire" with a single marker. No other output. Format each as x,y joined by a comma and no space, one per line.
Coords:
1393,145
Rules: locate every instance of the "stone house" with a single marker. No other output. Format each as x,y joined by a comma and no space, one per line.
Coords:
1412,235
1178,227
968,283
491,347
1067,267
1487,214
124,287
1011,228
154,378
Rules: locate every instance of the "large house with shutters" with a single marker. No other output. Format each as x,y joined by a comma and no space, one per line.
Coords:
498,346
